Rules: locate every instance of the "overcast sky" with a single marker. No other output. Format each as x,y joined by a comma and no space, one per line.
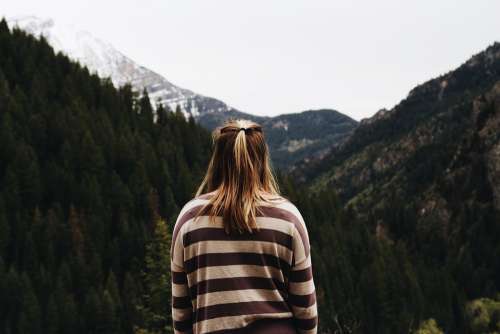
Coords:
270,57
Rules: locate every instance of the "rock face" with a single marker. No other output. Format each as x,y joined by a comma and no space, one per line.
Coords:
487,112
437,147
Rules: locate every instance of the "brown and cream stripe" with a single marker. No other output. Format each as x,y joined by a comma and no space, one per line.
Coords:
225,283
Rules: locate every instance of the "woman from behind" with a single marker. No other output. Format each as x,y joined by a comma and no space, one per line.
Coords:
240,256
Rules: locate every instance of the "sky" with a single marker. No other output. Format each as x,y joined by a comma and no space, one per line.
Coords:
283,56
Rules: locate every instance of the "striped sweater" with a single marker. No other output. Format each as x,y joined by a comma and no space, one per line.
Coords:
223,283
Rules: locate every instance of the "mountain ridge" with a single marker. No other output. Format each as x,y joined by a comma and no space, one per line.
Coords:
101,57
371,129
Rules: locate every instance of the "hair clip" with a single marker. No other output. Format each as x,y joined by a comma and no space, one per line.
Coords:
247,130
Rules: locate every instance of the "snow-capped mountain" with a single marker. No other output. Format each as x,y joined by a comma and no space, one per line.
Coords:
101,57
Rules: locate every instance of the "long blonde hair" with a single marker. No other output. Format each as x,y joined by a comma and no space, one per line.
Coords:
240,174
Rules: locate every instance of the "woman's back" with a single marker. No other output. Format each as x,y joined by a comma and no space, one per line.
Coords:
236,283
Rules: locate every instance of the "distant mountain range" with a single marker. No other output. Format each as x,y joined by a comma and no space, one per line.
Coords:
291,137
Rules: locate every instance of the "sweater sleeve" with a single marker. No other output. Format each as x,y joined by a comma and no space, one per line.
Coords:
182,310
302,292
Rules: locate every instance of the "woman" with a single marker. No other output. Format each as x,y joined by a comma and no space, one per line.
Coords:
240,256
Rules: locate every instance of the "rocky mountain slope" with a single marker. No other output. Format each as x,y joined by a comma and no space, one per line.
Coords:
306,135
444,129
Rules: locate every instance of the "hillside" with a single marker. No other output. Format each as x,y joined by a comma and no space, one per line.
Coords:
84,174
444,128
426,173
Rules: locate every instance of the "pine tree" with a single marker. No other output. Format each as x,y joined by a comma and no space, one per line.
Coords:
30,257
51,316
13,295
112,288
171,207
131,299
25,166
91,159
156,307
162,116
4,231
69,318
30,321
146,110
3,289
92,311
111,320
7,138
76,232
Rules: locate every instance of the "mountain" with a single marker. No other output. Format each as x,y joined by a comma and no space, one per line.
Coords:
426,173
296,136
291,137
426,139
306,135
101,57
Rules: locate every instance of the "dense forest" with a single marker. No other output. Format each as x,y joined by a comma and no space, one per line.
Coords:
91,181
85,169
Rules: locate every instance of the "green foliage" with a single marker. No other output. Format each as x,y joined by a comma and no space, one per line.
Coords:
369,282
78,160
156,306
429,326
484,315
364,283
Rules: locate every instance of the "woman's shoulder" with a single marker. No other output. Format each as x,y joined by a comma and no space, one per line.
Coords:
274,198
267,199
190,207
204,196
266,196
279,201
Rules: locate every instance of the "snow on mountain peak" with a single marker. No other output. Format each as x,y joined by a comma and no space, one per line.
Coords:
101,57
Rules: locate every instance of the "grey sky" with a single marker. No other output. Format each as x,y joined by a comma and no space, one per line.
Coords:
273,57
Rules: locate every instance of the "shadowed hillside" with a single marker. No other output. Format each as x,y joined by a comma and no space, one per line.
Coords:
293,137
